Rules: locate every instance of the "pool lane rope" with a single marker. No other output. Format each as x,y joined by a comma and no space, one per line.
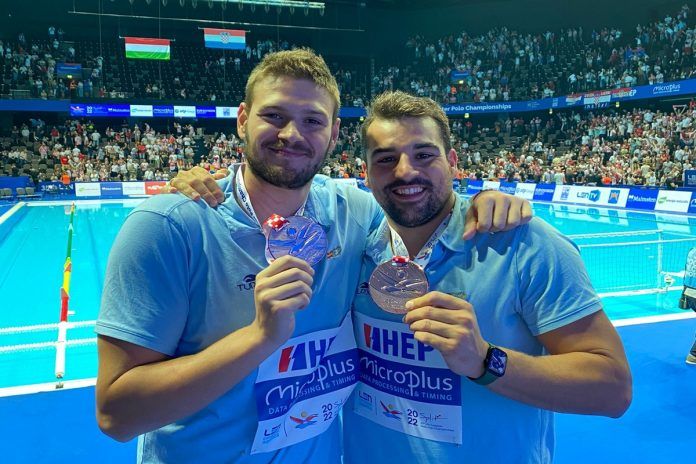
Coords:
64,303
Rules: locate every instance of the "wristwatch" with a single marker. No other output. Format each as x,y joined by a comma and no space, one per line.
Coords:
494,366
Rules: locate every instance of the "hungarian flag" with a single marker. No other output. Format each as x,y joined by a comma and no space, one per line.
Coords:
147,49
229,39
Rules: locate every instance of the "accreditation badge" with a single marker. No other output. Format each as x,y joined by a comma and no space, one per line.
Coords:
405,385
301,388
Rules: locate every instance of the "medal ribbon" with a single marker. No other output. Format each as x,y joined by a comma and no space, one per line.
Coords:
242,196
423,257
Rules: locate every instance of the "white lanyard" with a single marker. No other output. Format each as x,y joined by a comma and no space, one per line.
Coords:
423,257
242,196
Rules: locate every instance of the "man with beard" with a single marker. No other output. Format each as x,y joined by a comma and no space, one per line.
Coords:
208,352
510,330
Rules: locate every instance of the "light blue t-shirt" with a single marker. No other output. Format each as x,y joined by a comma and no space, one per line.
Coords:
521,283
181,276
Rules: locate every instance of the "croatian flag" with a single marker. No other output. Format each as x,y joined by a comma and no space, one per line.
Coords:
229,39
147,49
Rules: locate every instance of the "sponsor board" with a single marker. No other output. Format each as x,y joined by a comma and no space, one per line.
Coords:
525,190
111,189
87,189
474,187
666,89
587,195
508,187
544,192
690,178
162,111
642,199
143,111
676,202
154,187
491,185
134,188
226,112
692,204
205,112
184,111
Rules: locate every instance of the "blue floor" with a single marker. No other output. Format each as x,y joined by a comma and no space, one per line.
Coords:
658,428
660,424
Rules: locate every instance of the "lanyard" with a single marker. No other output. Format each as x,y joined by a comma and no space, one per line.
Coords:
242,196
423,257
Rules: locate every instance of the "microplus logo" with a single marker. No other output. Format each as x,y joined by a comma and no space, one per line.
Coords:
667,88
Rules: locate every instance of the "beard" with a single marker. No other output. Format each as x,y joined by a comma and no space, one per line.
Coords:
412,215
284,175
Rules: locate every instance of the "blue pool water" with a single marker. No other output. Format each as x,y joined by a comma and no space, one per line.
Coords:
33,249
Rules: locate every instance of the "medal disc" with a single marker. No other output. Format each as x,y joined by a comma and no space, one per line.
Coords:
395,282
298,236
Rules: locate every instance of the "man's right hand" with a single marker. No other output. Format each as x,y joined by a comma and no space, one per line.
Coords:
284,287
198,183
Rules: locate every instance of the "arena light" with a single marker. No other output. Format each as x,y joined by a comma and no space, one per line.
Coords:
277,3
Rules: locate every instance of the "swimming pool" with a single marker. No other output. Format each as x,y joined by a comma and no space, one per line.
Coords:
33,249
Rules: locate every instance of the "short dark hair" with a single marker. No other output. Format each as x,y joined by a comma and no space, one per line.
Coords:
397,104
299,63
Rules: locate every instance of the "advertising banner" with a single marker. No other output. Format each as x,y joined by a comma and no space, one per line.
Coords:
134,188
87,189
676,202
474,187
111,189
154,187
642,199
525,190
588,195
544,192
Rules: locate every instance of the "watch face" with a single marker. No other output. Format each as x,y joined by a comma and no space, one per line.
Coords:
497,362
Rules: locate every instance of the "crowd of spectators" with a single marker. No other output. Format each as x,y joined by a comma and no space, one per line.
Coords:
33,67
502,64
79,151
631,147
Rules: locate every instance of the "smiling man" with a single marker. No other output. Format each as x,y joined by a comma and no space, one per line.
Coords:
208,368
203,366
510,331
